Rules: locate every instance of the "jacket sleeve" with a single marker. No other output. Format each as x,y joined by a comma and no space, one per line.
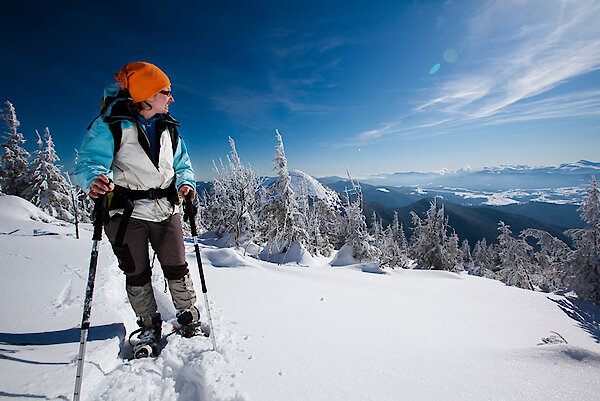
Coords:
183,166
95,156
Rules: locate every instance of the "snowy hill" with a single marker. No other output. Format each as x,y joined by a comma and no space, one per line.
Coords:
303,183
285,332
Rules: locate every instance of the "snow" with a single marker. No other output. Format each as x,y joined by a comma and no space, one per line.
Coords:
499,200
304,183
287,332
383,190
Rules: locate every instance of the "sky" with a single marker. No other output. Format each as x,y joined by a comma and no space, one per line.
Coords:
372,87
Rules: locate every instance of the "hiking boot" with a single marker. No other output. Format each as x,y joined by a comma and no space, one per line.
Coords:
189,321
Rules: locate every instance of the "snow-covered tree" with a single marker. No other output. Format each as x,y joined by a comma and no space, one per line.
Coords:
327,216
391,253
320,221
44,184
584,261
14,160
236,198
552,273
282,222
515,260
482,260
398,233
432,247
354,226
85,204
376,230
466,251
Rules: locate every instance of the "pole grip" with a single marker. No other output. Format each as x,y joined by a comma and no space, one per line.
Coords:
99,213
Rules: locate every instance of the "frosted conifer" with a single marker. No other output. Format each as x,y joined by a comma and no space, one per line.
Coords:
551,257
515,260
282,221
355,227
14,160
235,200
584,261
44,184
431,245
482,260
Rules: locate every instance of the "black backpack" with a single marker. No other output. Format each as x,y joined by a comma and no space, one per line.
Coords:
114,124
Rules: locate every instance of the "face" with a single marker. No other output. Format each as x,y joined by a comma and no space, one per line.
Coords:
160,102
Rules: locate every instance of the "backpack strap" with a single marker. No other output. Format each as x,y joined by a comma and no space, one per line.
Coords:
117,133
174,136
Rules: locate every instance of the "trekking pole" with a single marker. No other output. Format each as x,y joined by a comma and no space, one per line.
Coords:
99,214
190,214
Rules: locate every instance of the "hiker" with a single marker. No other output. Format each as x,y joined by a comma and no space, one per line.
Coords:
133,152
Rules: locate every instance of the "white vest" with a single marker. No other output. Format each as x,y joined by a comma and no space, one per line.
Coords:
133,169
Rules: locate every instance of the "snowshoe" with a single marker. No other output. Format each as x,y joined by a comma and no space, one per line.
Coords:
191,330
145,350
148,337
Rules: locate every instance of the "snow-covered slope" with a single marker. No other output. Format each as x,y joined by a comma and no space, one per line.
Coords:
285,332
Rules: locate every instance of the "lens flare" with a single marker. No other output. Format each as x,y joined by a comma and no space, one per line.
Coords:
435,69
450,55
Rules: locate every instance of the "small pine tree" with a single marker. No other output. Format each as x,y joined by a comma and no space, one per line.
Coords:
431,245
44,184
466,251
283,223
236,197
355,229
85,204
584,261
551,257
482,260
515,259
14,160
327,216
398,233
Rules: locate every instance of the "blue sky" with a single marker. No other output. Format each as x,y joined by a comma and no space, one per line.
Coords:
384,87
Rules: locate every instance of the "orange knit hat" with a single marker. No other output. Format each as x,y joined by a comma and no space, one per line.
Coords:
143,80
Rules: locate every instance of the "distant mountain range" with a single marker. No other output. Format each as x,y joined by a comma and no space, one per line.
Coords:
492,178
472,222
523,197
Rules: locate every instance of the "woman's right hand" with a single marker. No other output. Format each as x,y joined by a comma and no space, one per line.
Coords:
100,186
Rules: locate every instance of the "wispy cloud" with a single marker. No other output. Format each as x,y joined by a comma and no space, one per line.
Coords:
514,54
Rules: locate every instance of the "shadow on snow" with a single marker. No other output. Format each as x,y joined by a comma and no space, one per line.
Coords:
584,313
72,335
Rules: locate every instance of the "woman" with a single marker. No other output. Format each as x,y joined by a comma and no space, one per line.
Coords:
134,153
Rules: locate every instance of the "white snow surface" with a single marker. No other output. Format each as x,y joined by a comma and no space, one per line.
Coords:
285,332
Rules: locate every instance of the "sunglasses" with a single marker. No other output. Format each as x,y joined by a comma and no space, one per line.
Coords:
166,93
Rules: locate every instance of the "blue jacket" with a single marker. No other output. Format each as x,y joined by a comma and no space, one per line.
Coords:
133,165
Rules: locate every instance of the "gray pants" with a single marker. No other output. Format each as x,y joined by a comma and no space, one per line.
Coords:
166,239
